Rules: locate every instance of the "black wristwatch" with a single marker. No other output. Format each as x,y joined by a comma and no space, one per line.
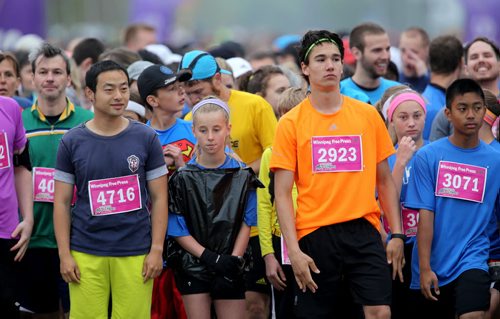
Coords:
400,236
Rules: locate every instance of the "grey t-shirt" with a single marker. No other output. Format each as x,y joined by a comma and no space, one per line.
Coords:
84,156
441,127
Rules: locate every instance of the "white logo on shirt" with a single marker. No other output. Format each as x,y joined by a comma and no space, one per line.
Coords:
133,163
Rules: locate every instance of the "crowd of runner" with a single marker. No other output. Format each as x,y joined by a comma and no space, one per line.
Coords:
322,178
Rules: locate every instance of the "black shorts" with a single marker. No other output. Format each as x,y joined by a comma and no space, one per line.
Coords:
350,253
496,285
283,300
255,271
219,288
403,299
468,293
8,282
41,285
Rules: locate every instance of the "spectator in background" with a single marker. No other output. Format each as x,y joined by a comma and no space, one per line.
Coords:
482,60
227,50
167,57
445,57
269,82
134,71
414,47
392,72
135,111
27,88
492,113
10,79
122,56
86,53
289,57
138,36
261,58
239,66
370,46
150,56
226,72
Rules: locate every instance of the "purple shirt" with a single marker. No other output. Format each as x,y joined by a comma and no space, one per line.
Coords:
12,133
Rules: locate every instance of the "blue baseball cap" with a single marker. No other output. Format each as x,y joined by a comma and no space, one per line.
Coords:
280,43
200,64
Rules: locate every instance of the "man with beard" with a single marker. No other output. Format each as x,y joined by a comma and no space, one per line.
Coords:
252,118
482,59
370,46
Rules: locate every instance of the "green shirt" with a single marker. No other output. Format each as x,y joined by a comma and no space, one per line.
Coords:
44,140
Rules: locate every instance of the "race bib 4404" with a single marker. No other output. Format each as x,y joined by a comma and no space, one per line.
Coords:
4,151
115,195
461,181
332,154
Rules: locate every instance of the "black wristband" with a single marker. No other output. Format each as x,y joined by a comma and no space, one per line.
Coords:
400,236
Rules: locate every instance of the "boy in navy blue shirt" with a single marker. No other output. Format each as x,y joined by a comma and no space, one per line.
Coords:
111,241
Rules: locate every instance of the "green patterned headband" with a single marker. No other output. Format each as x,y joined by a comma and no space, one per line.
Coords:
318,42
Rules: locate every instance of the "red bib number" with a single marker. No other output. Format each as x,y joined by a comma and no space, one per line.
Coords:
115,195
332,154
461,181
4,151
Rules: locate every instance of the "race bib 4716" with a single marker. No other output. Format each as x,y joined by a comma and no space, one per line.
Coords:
332,154
115,195
461,181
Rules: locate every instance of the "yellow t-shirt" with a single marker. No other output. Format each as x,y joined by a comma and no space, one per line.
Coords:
326,198
253,125
267,220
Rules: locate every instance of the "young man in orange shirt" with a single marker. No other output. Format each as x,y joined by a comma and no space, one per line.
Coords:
343,148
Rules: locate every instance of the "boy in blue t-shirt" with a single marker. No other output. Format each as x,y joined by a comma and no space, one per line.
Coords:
455,188
163,93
